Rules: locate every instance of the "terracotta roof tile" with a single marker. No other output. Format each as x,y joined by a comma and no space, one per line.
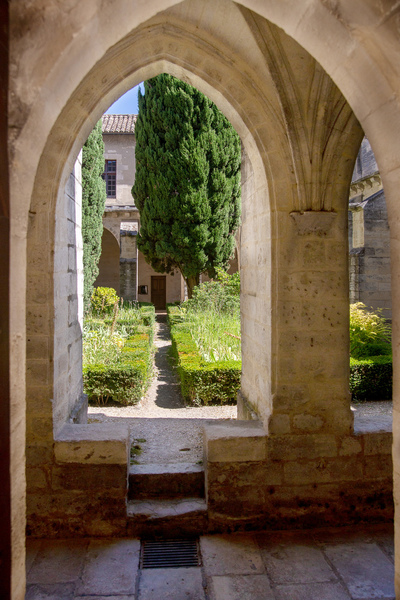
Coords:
118,123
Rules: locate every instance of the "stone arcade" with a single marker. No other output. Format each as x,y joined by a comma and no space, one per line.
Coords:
299,81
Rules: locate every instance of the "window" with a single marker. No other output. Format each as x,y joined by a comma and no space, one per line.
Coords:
110,176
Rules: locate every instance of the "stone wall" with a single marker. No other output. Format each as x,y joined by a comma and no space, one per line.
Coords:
121,147
256,290
174,282
68,290
72,468
254,480
370,280
369,236
109,262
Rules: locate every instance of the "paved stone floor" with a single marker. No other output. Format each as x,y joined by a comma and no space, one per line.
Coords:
326,564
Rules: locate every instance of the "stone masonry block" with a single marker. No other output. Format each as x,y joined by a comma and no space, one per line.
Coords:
279,424
227,477
378,443
39,455
100,443
39,429
308,422
292,447
71,476
289,396
93,505
36,479
37,372
37,319
323,471
238,441
350,445
37,347
378,467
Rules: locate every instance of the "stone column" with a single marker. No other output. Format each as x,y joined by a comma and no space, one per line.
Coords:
310,382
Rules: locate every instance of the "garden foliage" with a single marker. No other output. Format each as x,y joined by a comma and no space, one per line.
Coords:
205,334
117,354
187,184
371,355
202,382
93,203
371,378
103,300
370,334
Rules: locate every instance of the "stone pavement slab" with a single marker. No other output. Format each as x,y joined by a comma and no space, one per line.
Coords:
311,591
296,563
230,554
241,587
353,563
171,584
105,597
61,562
32,549
111,568
366,571
57,591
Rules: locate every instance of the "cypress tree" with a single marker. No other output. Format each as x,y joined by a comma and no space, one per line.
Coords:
187,182
93,203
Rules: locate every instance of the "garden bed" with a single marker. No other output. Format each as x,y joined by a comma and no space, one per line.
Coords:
371,378
118,355
202,382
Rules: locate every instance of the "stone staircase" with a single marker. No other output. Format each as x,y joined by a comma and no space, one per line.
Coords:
167,500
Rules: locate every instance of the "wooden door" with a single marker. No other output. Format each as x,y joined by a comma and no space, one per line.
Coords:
159,292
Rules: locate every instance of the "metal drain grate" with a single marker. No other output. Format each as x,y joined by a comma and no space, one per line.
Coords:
169,554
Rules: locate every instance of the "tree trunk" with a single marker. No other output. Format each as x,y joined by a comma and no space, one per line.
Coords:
191,283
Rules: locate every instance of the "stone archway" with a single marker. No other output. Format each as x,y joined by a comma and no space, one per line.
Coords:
109,262
381,111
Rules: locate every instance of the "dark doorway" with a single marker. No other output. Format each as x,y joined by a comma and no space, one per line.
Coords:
158,291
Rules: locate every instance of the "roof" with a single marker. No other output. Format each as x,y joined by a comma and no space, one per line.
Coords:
118,123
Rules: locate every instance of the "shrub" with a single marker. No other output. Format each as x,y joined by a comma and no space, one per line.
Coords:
216,296
103,300
123,383
371,378
148,314
231,283
125,378
117,354
201,383
369,333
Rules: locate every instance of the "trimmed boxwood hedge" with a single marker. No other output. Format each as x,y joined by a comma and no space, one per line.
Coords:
201,382
124,382
371,378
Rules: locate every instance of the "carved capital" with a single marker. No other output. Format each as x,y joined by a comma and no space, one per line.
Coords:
313,222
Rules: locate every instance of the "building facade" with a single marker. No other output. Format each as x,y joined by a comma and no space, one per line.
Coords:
369,236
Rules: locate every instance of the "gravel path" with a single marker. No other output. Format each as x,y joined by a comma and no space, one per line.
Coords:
168,432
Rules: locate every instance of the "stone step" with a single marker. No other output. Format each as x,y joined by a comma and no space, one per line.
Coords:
168,481
173,518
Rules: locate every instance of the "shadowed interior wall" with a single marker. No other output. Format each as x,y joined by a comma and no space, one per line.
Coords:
109,262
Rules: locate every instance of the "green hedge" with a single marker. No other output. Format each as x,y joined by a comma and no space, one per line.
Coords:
371,378
126,381
201,382
148,313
